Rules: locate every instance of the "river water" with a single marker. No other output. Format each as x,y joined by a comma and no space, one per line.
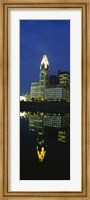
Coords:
44,146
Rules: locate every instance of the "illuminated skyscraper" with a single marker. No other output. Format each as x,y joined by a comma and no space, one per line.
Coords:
44,71
37,89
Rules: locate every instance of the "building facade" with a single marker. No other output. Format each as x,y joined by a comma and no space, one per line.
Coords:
37,91
64,79
57,93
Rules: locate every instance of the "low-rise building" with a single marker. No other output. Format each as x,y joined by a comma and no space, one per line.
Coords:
57,93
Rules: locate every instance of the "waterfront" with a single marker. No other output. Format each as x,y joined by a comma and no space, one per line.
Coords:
45,100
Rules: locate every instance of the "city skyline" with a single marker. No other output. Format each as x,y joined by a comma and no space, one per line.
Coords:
47,88
33,46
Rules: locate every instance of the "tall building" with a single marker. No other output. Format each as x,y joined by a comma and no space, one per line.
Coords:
44,71
37,89
64,79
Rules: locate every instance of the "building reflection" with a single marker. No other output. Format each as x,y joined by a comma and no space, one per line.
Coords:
44,124
41,145
41,120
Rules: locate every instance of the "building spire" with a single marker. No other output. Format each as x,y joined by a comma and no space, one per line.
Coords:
45,61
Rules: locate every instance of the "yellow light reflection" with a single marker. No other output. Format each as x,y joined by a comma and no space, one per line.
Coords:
41,154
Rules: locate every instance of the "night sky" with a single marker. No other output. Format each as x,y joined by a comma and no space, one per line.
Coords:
38,37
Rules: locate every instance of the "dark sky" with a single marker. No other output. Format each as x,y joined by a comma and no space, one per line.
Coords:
38,37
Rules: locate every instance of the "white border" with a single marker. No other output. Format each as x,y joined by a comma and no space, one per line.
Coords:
74,15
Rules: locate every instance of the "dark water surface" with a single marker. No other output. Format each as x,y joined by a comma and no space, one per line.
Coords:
44,146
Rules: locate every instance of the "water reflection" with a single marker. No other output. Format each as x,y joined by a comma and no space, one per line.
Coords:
43,125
